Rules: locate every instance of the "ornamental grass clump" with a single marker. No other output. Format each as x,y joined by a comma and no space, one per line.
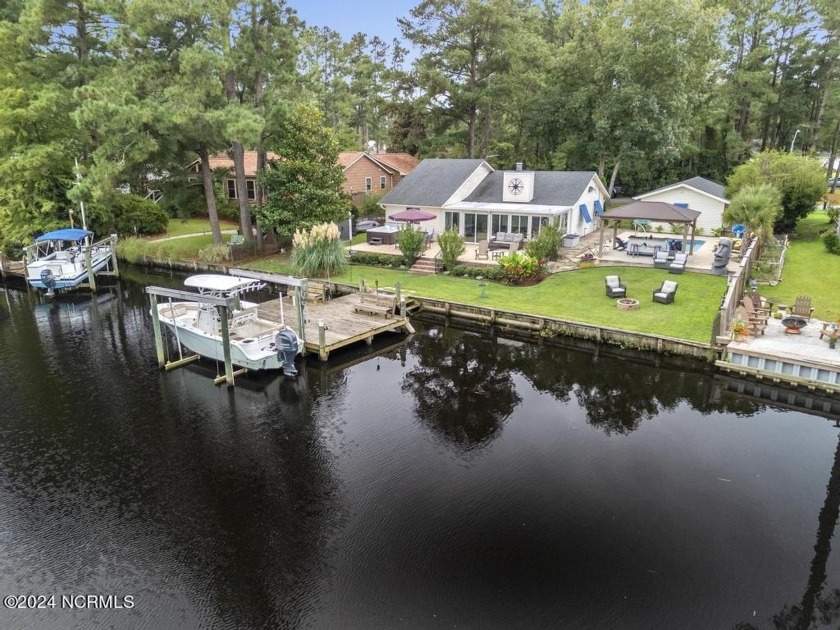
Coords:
318,253
520,268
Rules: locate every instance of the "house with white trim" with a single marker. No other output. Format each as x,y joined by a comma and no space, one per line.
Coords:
479,201
697,193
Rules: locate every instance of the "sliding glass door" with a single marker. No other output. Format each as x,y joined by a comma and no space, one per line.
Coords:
475,227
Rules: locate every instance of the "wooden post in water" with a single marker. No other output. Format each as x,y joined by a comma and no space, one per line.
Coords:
89,265
398,286
223,314
300,296
402,304
156,326
322,341
114,255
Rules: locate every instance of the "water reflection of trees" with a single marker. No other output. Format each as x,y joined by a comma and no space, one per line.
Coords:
462,385
617,394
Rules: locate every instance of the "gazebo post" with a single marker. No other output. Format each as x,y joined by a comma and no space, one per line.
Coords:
615,232
685,239
693,232
600,237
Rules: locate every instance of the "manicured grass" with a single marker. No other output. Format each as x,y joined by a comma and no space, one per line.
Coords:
176,249
177,227
574,295
810,270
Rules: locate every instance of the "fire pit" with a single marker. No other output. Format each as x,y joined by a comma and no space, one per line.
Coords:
792,324
627,304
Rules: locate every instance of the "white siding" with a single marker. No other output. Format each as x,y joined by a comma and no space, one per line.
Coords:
711,210
576,223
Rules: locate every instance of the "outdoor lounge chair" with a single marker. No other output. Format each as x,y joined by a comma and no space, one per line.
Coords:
755,325
620,245
757,303
482,251
752,313
614,287
678,266
802,307
665,293
660,260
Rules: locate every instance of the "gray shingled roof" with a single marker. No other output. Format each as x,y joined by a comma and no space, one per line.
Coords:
654,211
551,188
700,183
431,183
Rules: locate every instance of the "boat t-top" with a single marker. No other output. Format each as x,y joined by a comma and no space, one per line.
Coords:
57,259
255,343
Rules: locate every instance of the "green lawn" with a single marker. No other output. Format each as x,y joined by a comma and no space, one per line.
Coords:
810,270
575,295
177,227
176,249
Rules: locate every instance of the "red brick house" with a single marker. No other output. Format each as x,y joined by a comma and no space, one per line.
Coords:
364,173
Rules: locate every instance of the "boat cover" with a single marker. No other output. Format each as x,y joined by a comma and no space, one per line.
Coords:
67,234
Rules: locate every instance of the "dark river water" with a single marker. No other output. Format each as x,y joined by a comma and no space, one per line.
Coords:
452,481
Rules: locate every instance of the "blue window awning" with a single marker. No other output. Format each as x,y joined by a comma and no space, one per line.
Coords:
599,209
584,212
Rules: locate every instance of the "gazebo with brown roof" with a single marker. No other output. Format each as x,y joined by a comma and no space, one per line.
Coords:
652,211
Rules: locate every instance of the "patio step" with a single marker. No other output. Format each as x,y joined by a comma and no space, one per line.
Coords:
424,266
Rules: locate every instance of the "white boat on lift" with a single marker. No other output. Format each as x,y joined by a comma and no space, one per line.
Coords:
57,260
255,343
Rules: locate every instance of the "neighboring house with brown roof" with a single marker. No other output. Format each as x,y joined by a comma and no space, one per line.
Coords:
374,173
364,173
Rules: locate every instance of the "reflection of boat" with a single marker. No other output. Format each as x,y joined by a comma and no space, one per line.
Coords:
58,261
255,343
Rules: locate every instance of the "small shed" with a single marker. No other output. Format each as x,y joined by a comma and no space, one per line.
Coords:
652,211
697,193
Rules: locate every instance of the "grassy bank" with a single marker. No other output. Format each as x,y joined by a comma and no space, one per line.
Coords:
810,270
194,225
577,295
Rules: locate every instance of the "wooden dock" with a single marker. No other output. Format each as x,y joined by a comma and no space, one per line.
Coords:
342,325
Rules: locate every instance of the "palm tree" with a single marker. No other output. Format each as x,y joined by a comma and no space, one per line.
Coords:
757,207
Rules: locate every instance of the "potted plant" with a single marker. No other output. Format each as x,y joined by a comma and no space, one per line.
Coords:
740,330
587,260
832,339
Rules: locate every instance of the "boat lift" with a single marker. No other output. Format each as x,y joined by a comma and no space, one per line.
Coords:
223,304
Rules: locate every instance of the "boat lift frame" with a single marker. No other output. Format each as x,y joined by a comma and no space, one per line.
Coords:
223,304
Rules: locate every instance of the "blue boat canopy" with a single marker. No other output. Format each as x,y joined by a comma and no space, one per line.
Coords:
584,211
67,234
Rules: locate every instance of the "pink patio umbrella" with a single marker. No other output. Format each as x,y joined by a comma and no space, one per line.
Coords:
412,215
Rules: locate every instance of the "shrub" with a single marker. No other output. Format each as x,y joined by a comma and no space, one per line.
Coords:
546,244
451,247
699,231
833,213
318,252
718,231
832,243
518,268
410,241
214,254
659,228
134,215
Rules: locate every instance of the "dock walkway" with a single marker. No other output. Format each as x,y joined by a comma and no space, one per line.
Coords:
342,325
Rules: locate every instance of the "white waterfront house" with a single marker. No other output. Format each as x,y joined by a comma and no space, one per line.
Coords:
479,201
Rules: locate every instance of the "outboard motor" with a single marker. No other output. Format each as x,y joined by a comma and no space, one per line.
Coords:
48,279
288,347
723,252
